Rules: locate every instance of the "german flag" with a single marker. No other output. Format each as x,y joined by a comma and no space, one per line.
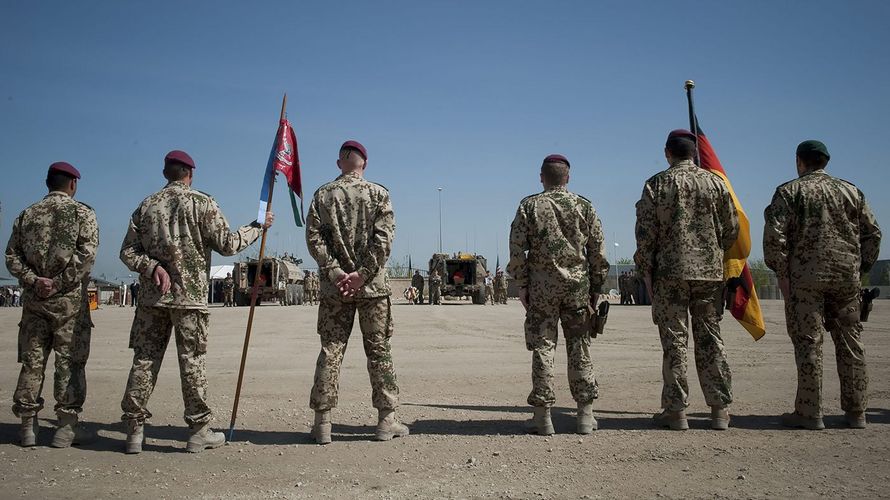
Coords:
745,307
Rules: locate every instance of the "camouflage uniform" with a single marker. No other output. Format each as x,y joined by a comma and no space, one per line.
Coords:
435,289
311,289
500,288
820,234
350,228
229,288
55,238
489,290
686,220
177,228
557,253
417,282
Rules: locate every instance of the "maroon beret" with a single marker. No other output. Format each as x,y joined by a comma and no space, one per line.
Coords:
357,146
557,159
65,168
177,156
681,132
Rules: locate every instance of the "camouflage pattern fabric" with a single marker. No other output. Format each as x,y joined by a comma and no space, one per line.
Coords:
811,310
821,235
435,289
178,227
500,288
674,302
557,253
686,220
820,229
335,321
149,337
229,290
417,282
55,238
350,227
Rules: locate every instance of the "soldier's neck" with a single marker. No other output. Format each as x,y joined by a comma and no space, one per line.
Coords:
359,172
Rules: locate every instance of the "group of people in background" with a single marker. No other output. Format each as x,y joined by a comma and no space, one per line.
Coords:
10,296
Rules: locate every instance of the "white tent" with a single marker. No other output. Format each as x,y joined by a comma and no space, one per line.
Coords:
219,272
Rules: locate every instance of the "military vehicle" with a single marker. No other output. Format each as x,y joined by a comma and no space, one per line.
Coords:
274,270
463,275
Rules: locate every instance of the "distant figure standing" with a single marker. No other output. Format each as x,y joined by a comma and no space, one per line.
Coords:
435,288
489,288
500,287
820,236
417,282
229,290
51,251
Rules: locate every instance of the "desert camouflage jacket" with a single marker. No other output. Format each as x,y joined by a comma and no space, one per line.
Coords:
350,227
820,228
686,221
556,242
177,228
56,238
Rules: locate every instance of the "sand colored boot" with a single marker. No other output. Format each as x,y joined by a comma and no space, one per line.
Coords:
203,437
388,426
321,430
540,423
135,436
673,420
586,423
798,421
28,431
719,418
855,419
70,432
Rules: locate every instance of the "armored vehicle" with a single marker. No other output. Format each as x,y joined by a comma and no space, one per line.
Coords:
463,275
274,270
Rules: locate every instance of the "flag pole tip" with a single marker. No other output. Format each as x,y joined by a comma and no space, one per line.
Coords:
689,84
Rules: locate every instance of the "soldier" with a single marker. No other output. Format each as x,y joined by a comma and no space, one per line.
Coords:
489,288
435,288
169,240
349,231
500,286
558,261
311,288
51,251
820,236
229,288
417,282
686,220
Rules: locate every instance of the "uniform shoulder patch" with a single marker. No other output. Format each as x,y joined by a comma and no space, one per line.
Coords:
85,206
379,185
583,198
208,195
529,198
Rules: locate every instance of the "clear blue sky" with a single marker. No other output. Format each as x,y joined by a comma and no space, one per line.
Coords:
469,96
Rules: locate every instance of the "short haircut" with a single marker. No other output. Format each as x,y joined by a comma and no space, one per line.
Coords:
680,147
175,171
813,160
56,181
555,173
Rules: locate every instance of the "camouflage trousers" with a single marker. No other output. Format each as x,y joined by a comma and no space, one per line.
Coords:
500,295
673,302
229,298
149,336
435,296
335,319
489,295
52,325
811,310
541,317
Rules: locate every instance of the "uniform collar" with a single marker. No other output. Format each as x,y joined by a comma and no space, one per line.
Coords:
820,171
177,185
57,193
553,189
683,163
351,175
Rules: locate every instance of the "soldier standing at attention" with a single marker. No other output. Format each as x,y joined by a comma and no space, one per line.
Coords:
229,288
558,261
349,232
417,282
820,236
686,220
169,240
435,288
500,286
489,288
51,251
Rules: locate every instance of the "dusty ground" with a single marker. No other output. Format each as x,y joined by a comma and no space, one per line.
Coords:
464,375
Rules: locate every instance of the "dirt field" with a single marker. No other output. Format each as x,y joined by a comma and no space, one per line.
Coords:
464,377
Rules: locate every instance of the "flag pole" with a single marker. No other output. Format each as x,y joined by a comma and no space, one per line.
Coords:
693,121
253,295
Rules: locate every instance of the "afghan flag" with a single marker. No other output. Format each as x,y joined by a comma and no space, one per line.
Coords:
744,306
284,158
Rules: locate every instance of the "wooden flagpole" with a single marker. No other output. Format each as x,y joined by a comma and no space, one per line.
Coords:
253,296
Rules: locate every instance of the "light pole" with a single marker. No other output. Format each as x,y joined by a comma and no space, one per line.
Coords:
440,220
615,259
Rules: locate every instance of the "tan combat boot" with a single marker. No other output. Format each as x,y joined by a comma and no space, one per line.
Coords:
540,423
135,436
855,419
719,418
69,432
796,420
203,437
586,422
28,431
388,426
321,430
673,420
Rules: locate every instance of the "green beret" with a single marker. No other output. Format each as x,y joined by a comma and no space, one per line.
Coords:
813,146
